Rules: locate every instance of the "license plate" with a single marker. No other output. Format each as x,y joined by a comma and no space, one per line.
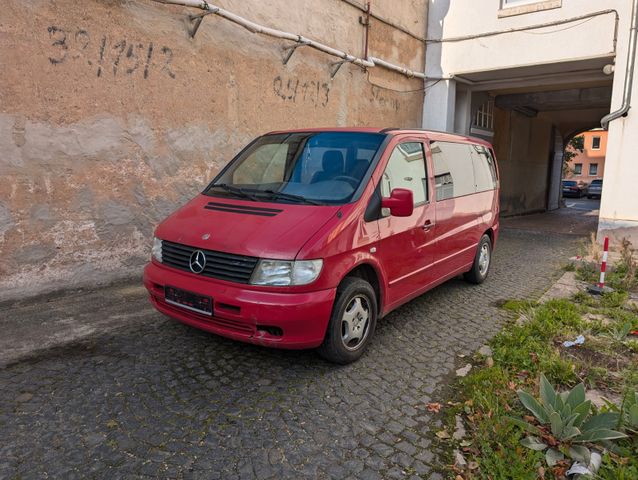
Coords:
189,300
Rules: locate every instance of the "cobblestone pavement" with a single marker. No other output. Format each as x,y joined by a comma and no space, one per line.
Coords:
160,399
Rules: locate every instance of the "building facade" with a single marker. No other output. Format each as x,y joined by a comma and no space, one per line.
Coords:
530,74
114,113
589,164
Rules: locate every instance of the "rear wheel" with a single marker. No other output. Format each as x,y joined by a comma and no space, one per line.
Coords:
482,261
353,320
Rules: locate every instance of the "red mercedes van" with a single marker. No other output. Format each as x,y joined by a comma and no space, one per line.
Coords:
308,237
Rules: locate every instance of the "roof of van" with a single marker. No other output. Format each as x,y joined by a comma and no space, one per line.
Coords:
434,134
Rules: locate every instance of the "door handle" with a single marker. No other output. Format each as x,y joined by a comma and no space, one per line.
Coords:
427,225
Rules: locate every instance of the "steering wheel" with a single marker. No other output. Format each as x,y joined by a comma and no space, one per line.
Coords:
351,180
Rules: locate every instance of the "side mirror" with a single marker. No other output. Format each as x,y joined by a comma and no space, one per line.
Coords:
400,202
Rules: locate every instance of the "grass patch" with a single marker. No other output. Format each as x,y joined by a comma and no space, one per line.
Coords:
613,300
521,352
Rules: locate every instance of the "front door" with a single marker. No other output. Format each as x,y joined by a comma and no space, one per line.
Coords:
406,246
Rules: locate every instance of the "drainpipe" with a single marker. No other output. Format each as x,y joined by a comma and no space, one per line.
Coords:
271,32
396,68
629,72
367,25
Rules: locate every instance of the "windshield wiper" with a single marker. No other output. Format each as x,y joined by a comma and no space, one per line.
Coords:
235,190
290,196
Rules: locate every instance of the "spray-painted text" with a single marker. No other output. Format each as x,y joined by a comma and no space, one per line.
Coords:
296,90
108,56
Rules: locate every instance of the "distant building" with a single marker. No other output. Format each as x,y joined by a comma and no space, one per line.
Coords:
590,164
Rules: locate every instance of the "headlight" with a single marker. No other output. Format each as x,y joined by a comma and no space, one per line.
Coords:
285,272
157,249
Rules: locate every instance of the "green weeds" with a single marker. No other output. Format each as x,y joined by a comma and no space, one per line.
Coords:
524,350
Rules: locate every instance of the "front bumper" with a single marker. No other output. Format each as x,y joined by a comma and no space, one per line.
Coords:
245,313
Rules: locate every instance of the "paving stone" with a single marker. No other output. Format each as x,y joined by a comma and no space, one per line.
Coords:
161,399
406,448
485,350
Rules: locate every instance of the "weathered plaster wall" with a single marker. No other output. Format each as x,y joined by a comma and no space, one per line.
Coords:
521,145
111,116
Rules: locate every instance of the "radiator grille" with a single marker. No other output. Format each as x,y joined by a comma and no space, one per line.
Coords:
224,266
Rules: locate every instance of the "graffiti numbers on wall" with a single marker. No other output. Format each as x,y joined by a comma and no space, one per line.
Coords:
301,91
107,55
383,101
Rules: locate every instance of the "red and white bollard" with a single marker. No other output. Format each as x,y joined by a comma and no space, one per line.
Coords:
600,288
603,264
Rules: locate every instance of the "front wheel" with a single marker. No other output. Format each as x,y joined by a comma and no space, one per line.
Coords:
353,320
482,261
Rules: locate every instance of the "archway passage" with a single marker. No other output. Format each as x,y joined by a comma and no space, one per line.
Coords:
531,131
535,111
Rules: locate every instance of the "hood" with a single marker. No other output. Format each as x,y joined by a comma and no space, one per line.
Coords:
258,229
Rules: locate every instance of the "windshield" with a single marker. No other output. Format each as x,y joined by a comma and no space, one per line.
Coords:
569,183
596,182
307,167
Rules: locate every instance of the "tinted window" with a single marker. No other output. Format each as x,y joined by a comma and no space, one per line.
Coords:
569,183
453,169
406,169
596,182
323,167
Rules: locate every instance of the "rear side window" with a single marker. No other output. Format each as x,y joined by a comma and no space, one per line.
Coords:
484,168
406,169
453,169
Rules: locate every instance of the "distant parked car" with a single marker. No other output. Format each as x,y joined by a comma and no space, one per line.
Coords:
572,188
595,188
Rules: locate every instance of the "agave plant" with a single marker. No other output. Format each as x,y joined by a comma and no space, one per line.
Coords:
565,424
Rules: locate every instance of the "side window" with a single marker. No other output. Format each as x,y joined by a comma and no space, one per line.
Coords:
453,169
484,168
406,169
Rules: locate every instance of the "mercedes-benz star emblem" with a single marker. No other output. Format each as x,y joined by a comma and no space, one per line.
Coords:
197,261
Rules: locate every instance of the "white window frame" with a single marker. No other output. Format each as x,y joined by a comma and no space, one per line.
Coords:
596,172
579,174
520,7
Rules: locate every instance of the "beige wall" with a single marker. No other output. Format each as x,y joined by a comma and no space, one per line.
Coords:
522,147
111,116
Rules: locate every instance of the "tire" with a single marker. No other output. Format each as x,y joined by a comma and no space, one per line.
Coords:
590,197
355,302
481,266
